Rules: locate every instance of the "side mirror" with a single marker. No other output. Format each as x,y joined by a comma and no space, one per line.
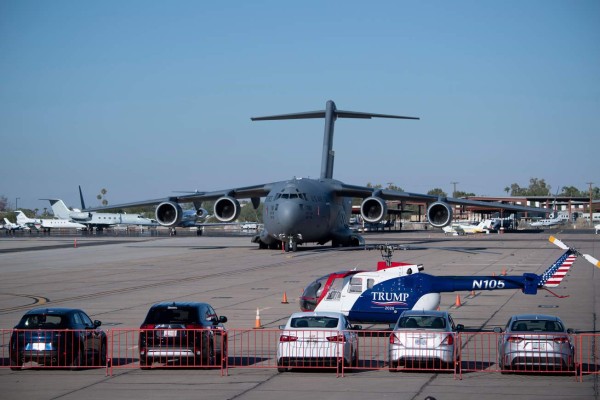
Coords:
220,320
356,327
97,323
460,327
570,331
282,327
498,329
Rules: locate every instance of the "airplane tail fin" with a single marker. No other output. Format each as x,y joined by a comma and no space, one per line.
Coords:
21,217
81,198
59,208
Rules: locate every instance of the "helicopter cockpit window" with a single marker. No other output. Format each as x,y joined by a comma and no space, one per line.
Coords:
335,290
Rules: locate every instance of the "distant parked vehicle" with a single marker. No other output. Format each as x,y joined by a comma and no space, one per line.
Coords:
535,342
57,337
249,226
188,333
317,339
423,339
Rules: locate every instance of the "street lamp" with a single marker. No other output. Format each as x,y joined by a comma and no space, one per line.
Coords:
17,203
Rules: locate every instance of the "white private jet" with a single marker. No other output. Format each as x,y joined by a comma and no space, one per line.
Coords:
464,228
46,224
11,227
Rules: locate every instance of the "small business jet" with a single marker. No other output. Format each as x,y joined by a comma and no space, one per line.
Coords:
463,228
11,226
46,224
380,296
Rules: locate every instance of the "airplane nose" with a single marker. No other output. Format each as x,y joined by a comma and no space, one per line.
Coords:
289,216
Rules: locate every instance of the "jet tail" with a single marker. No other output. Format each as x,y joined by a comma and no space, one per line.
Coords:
331,113
59,208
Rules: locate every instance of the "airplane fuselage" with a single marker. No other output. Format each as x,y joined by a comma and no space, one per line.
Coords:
306,211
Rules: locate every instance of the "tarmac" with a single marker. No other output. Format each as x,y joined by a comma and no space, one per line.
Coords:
116,280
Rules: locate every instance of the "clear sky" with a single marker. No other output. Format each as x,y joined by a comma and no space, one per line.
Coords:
144,98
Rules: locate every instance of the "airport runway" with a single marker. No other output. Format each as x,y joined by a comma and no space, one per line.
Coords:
117,279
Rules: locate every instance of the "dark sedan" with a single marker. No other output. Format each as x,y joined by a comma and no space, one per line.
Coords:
57,337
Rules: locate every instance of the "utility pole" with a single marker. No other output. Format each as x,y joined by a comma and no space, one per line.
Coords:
591,209
17,203
454,191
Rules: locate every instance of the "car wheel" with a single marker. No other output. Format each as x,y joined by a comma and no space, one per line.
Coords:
75,361
101,360
281,366
15,365
208,354
145,363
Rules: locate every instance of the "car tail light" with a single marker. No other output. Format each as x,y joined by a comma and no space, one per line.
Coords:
147,326
449,340
514,339
394,339
337,338
286,338
561,340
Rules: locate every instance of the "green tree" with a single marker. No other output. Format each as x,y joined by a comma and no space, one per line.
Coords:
437,192
537,187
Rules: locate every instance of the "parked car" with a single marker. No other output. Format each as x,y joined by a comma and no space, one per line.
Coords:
317,339
535,341
423,339
57,337
189,333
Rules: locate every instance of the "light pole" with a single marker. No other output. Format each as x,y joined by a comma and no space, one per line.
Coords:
17,203
591,205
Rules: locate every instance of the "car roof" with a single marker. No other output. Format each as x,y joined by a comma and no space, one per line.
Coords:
52,310
433,313
331,314
521,317
179,304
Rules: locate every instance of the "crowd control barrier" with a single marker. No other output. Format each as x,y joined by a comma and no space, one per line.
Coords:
215,349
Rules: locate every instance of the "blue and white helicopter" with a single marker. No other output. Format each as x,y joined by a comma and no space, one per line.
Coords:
380,296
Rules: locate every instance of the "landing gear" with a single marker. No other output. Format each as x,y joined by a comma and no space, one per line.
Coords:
292,245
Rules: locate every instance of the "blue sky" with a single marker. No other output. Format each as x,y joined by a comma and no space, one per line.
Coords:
144,98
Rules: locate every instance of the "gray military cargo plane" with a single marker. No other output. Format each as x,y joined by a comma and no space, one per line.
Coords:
302,210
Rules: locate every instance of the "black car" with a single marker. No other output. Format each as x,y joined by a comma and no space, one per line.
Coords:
186,334
57,337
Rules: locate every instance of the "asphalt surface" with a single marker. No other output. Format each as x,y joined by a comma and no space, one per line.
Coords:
116,280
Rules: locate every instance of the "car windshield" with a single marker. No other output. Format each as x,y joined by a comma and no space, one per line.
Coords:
169,315
314,322
421,322
537,325
43,321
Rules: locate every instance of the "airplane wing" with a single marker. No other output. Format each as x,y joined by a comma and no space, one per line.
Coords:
247,192
342,189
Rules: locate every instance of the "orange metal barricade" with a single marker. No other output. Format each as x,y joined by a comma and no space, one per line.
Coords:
54,348
518,352
258,348
588,354
167,348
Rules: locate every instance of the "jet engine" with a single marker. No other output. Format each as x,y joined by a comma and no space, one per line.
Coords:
439,214
227,209
373,209
80,216
168,214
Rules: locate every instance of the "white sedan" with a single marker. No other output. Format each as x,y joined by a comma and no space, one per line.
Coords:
317,340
